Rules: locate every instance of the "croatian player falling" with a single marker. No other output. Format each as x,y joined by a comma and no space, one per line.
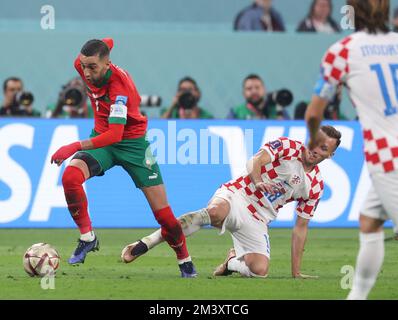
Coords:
118,138
282,171
366,62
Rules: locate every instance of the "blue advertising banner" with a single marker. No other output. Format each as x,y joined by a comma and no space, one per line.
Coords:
195,158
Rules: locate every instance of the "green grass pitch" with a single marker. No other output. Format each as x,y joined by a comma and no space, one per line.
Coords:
156,275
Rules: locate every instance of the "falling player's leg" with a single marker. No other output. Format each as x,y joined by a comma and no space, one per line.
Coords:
135,156
251,253
191,222
250,265
171,229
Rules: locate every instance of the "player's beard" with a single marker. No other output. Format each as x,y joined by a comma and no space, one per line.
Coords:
98,81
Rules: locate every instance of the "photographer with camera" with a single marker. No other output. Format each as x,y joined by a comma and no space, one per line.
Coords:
72,102
185,102
16,102
259,104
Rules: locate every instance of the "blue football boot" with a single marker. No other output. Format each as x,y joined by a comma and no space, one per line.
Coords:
187,270
82,249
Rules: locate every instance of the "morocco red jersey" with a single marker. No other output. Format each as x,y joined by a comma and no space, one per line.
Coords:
115,100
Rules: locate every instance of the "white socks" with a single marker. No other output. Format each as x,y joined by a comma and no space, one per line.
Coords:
193,221
190,223
239,265
88,237
369,261
153,239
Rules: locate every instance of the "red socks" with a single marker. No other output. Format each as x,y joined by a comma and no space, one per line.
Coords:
72,180
172,232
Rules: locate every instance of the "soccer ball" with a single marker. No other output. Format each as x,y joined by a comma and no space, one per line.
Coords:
40,260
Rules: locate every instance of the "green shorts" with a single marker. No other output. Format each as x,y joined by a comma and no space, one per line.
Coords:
134,155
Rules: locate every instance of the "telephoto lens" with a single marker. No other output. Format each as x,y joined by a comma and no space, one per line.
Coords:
24,98
150,101
187,100
283,97
73,97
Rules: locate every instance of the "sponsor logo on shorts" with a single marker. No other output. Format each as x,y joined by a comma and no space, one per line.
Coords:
153,176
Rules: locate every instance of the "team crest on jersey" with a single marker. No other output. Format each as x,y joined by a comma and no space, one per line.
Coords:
275,144
295,180
121,100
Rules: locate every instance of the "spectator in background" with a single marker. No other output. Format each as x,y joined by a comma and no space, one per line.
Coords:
185,102
16,102
395,20
260,16
319,18
258,104
72,102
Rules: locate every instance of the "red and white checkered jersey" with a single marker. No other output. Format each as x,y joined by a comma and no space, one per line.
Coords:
287,171
368,66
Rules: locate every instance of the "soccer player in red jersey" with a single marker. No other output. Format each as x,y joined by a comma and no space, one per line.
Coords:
118,138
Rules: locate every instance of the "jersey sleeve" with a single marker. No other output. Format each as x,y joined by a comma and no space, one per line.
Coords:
281,148
119,96
306,207
334,70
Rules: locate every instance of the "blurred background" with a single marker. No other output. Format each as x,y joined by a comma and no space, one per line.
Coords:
210,59
161,42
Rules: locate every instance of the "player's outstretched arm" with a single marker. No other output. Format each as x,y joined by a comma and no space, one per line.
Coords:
313,118
299,237
113,135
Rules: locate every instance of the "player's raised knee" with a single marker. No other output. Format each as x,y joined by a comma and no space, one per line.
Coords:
72,175
218,210
67,177
260,270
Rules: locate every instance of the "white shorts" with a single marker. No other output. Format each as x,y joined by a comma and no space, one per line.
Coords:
249,234
382,200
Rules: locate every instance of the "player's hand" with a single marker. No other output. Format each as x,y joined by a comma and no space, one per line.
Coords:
320,138
304,276
65,152
270,188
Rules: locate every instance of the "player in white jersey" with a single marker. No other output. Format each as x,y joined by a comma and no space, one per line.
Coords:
282,171
366,62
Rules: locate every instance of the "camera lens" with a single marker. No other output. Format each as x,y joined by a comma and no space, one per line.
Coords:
150,101
73,97
187,100
24,98
284,97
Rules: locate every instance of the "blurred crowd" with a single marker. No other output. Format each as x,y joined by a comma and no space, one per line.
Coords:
261,16
257,101
72,102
